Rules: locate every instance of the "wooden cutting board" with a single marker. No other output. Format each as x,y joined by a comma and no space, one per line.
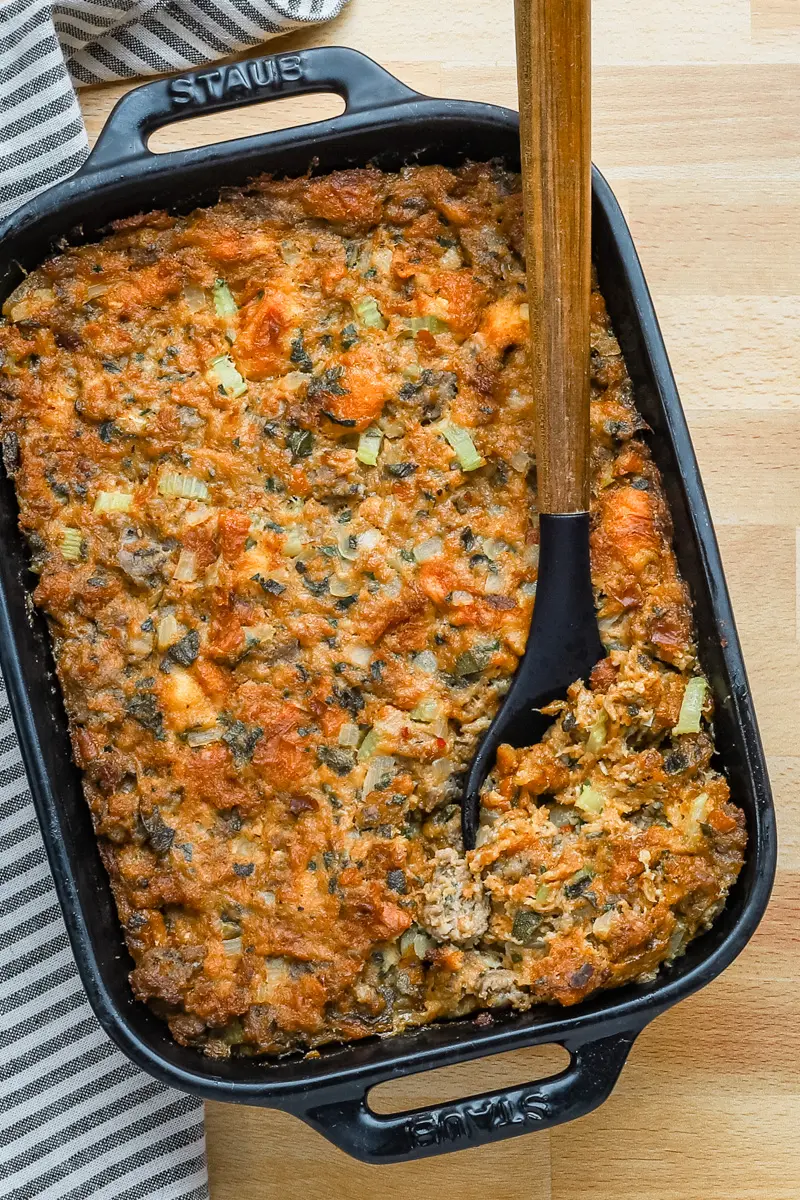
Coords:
697,126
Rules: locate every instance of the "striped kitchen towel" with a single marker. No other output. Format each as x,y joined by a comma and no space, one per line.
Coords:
48,47
77,1119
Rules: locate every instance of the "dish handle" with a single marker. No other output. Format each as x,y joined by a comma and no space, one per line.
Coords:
582,1086
362,84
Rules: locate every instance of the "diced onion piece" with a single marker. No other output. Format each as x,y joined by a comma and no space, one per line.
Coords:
431,324
289,253
256,634
347,544
349,735
168,632
194,296
422,944
368,313
224,373
426,661
461,441
494,585
141,645
23,310
72,544
692,706
608,624
428,549
96,289
520,461
196,516
441,769
338,587
407,939
369,446
699,807
359,656
450,260
113,502
528,588
590,800
294,380
382,259
440,728
602,925
597,734
390,957
232,946
243,848
391,428
187,487
380,766
459,599
296,539
203,737
369,539
427,710
493,547
224,302
186,570
369,745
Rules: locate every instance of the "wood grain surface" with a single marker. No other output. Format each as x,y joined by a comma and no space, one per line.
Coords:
554,44
697,127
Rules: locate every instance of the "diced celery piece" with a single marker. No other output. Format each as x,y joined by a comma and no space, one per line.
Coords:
369,445
187,487
692,706
224,302
113,502
427,710
72,544
597,734
590,800
369,745
368,313
224,373
461,441
431,324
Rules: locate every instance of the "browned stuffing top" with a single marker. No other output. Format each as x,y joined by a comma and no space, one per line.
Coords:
275,464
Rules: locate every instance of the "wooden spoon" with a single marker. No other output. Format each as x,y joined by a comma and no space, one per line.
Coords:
554,75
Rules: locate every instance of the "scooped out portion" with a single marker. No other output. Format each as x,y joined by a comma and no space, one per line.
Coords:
274,460
608,846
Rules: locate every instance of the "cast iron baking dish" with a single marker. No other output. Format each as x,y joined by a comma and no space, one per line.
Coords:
386,123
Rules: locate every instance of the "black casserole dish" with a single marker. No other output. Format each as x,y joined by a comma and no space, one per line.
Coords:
122,178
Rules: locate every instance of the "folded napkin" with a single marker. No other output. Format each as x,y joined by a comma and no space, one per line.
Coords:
77,1119
47,46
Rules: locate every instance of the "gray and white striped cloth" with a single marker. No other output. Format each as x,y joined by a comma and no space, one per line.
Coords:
77,1119
47,46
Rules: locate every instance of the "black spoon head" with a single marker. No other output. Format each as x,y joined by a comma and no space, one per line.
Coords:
563,646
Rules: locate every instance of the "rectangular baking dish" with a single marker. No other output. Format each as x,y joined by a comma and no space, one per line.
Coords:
386,123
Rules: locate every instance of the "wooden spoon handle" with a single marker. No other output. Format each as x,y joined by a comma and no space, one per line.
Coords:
554,75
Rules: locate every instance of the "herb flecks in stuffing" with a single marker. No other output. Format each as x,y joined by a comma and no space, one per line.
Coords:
275,463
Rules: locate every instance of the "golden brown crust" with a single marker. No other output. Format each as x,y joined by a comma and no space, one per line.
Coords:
278,656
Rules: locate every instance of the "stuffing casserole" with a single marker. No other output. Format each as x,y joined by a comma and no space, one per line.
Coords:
274,461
